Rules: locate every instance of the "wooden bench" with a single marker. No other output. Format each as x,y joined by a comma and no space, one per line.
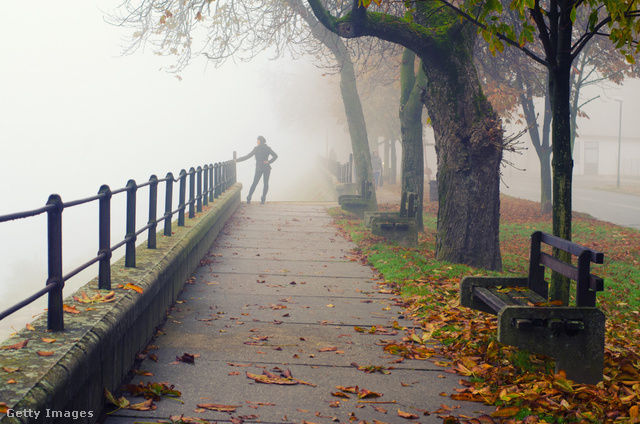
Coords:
572,335
399,226
357,203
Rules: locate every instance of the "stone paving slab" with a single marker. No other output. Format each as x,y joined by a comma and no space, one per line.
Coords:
244,313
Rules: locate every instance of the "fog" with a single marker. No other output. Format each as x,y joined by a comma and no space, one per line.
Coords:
75,114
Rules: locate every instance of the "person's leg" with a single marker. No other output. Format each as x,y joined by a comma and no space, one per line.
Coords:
256,179
265,181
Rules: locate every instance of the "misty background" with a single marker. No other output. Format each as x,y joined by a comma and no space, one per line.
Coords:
76,114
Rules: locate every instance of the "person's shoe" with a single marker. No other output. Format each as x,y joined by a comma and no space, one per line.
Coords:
248,200
262,201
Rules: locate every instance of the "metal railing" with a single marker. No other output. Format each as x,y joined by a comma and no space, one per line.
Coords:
205,185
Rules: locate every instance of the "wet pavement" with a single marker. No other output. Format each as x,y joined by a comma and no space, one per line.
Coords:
271,319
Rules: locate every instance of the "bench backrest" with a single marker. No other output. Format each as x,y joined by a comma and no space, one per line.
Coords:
365,189
587,284
409,205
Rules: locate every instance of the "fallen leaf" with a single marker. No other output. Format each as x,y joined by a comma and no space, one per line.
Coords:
407,415
187,358
147,405
10,369
130,286
45,353
218,407
70,309
48,340
3,408
30,327
16,346
341,394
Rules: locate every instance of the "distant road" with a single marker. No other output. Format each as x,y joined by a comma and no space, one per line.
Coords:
621,209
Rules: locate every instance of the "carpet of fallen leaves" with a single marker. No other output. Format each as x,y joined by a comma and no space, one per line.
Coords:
521,385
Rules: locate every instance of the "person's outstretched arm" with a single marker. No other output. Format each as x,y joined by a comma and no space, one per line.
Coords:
240,159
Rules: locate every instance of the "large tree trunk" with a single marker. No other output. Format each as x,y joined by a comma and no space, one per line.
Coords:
411,130
469,145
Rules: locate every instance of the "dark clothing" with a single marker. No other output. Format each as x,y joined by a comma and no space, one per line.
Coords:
262,153
263,170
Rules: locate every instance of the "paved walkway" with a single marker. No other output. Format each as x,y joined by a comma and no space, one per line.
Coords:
279,292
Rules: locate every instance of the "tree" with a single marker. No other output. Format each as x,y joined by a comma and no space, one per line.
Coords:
468,133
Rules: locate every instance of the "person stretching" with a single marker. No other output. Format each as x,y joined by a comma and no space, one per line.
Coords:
263,167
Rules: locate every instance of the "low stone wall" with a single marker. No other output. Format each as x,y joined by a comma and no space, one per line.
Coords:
63,381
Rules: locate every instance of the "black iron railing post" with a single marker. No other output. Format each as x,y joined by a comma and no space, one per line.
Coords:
205,190
55,319
183,195
225,176
211,197
199,189
168,203
153,211
217,180
130,249
104,238
192,192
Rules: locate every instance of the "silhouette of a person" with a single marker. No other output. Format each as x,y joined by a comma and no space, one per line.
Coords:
263,167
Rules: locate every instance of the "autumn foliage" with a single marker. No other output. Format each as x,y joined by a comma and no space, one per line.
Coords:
520,384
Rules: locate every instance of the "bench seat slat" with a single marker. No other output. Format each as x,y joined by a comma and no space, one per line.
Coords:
497,298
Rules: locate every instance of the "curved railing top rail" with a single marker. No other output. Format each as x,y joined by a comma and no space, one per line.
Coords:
205,184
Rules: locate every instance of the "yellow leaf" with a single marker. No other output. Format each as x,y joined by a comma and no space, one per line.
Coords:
30,327
44,339
130,286
70,309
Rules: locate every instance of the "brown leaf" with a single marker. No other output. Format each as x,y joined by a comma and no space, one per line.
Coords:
10,369
340,394
30,327
218,407
48,340
147,405
407,415
45,353
187,358
16,346
3,408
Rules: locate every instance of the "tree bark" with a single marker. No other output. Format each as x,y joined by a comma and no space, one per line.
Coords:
469,145
562,164
411,130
